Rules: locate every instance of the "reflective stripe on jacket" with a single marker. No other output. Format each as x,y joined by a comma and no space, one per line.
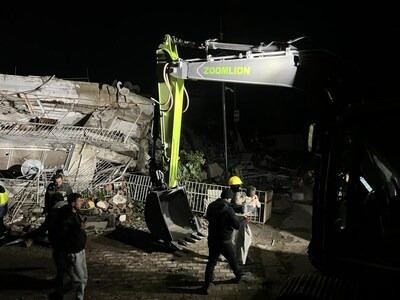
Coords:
3,198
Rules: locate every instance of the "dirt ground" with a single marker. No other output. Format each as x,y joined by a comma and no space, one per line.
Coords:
277,253
285,237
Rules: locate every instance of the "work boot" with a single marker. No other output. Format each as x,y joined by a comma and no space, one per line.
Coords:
208,287
242,278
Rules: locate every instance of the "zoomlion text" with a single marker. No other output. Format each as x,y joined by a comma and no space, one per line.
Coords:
227,70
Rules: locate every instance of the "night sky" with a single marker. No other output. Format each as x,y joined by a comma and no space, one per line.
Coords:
121,43
109,43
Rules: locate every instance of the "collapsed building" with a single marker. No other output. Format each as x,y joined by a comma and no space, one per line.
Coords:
97,134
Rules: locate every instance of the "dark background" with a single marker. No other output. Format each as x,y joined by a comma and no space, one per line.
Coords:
105,43
121,43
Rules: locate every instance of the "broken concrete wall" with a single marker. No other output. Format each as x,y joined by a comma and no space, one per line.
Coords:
82,166
125,116
50,88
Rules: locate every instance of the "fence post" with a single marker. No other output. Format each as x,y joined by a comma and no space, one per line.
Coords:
268,205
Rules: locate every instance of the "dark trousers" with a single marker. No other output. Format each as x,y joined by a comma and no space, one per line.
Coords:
3,212
2,226
215,250
60,258
76,269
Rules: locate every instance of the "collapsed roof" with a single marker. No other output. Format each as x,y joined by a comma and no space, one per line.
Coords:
65,123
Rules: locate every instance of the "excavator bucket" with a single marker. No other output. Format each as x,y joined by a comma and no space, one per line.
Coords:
168,216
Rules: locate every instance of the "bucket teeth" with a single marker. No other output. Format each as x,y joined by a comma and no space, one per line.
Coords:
182,242
190,240
195,236
200,234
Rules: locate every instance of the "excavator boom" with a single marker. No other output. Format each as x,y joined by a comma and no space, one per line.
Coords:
271,68
275,64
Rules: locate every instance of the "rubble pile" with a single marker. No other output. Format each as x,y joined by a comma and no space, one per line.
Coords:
127,213
116,210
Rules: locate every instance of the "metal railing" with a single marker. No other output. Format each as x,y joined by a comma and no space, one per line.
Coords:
200,195
22,130
136,188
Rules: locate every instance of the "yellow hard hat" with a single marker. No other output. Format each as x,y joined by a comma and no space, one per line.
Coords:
235,180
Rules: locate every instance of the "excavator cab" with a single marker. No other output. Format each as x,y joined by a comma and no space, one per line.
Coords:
356,201
355,227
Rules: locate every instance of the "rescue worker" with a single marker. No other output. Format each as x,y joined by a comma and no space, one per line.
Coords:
51,225
57,186
235,184
241,238
222,220
71,241
49,228
3,209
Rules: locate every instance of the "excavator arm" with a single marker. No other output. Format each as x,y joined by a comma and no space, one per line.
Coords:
274,68
167,211
276,64
170,93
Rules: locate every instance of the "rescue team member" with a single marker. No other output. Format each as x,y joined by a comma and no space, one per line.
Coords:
72,241
57,186
222,220
241,239
50,225
235,184
3,209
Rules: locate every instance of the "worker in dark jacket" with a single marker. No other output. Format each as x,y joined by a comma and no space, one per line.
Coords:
52,224
222,220
72,239
51,228
56,186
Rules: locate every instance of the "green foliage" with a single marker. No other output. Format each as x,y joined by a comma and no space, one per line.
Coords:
191,165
